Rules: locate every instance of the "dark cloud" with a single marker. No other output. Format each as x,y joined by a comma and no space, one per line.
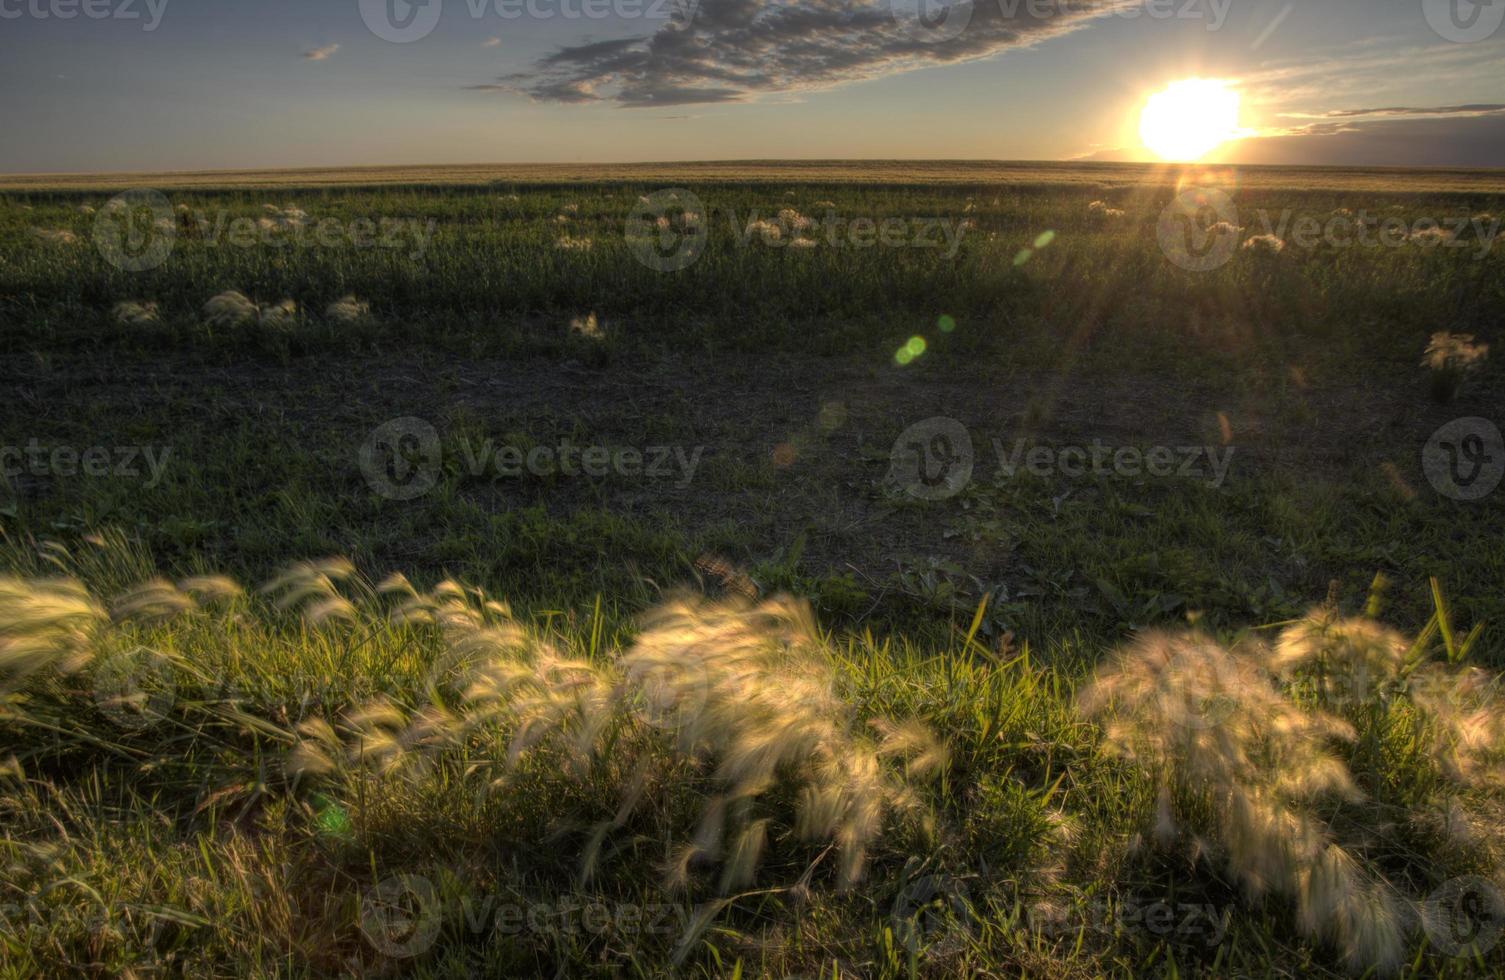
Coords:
736,50
1342,121
1485,109
1446,140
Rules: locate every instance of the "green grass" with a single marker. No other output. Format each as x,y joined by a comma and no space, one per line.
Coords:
167,832
183,846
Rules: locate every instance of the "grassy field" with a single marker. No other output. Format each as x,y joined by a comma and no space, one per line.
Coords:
979,173
911,572
786,172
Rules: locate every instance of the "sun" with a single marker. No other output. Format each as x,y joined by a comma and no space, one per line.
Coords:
1189,119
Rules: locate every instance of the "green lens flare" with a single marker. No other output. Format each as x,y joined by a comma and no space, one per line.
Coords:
910,351
330,818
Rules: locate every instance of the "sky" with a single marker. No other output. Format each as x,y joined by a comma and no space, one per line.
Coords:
150,85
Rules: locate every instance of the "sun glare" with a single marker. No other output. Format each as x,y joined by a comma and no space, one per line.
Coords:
1189,119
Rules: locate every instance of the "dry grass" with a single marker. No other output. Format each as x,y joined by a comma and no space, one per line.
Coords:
51,236
588,327
1268,245
734,686
132,313
1452,358
1260,739
231,309
739,690
348,310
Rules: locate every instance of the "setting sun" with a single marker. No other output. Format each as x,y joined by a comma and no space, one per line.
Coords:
1189,119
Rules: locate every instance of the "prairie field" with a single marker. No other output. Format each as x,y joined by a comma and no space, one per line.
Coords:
814,569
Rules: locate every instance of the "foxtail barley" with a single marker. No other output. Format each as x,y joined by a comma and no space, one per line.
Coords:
588,327
135,314
229,309
232,309
1212,725
1452,358
735,687
1266,245
348,310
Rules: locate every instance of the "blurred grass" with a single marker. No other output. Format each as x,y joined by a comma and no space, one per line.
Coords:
169,834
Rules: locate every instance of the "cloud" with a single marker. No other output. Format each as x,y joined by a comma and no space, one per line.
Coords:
1369,69
1350,106
1355,120
739,50
1486,109
321,54
1413,140
1444,136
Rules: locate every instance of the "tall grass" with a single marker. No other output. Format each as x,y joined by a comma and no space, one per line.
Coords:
726,753
1266,748
498,254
